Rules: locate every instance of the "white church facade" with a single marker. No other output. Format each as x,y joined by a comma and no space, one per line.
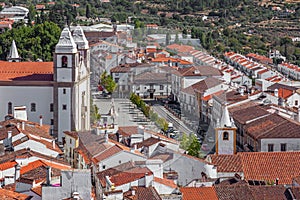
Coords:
57,91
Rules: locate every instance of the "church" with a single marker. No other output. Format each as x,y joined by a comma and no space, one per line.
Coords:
55,93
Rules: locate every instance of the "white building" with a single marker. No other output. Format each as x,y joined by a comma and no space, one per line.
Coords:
58,91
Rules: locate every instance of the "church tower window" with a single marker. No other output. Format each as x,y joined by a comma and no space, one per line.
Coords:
64,61
225,135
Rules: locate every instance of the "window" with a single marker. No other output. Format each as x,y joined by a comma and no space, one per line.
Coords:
9,110
296,102
64,107
64,61
270,147
33,107
64,91
103,167
70,141
51,107
52,122
225,135
161,87
283,147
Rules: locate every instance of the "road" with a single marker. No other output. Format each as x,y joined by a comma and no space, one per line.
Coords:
126,113
177,123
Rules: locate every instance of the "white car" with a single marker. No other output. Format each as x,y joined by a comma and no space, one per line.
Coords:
210,139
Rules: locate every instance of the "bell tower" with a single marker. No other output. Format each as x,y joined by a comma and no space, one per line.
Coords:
65,65
225,134
82,81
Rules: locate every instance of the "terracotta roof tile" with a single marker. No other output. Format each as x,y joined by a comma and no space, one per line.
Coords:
39,163
271,126
250,113
265,166
142,193
107,153
227,163
37,190
130,175
10,195
128,130
112,171
150,77
19,71
199,71
164,181
180,48
148,142
198,193
7,165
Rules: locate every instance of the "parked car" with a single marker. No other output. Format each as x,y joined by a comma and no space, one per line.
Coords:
210,139
204,147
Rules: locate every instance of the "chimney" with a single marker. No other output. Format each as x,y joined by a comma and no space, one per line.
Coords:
276,92
9,138
48,175
146,179
41,120
106,136
18,125
242,91
276,181
132,192
23,125
53,144
17,171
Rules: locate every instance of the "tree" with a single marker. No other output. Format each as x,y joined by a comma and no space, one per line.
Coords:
107,82
168,38
95,115
88,11
184,141
194,147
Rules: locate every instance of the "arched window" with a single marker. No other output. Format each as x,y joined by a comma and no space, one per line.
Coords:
9,110
64,61
33,107
225,135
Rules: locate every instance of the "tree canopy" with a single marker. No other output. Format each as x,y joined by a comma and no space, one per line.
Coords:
107,82
33,42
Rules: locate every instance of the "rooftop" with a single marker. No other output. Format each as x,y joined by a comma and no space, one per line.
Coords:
26,71
265,166
198,193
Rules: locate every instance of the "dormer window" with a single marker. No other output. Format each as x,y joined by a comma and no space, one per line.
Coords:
64,61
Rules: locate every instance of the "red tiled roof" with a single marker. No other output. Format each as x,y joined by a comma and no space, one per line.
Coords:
199,71
38,163
107,153
263,71
164,181
208,97
130,175
7,165
37,190
29,71
265,166
198,193
148,142
170,59
10,195
180,48
128,130
142,193
72,134
227,163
